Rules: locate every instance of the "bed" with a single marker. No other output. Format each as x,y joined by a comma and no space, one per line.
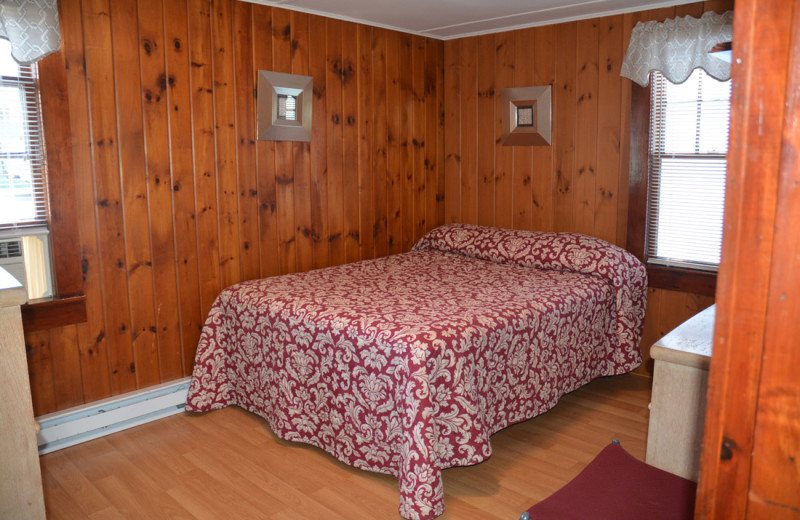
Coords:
407,364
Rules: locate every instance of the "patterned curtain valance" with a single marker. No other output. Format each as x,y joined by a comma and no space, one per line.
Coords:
32,28
677,46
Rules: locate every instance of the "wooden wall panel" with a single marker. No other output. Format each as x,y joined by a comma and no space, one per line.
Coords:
135,187
335,161
107,199
177,199
265,156
201,79
160,186
453,204
319,158
352,249
580,182
609,85
405,215
504,66
301,152
542,190
417,142
183,181
246,140
485,148
92,344
586,130
521,169
365,122
380,140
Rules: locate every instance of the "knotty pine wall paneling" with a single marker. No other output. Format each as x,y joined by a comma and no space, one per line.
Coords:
92,346
578,184
177,198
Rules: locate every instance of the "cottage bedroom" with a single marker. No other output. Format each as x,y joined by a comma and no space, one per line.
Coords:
293,259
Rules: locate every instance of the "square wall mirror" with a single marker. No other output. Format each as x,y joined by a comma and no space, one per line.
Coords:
284,106
526,116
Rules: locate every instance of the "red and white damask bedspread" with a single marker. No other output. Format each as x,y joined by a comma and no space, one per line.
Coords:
407,364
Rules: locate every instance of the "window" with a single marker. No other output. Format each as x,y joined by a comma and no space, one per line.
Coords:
23,196
22,187
686,171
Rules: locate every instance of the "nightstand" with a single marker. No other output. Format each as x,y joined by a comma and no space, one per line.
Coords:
678,403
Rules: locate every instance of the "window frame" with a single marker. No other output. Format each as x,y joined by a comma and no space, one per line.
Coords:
659,277
68,305
27,83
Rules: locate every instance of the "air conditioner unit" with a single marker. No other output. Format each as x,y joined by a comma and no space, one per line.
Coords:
12,260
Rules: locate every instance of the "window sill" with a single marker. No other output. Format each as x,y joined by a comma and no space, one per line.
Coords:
53,313
684,280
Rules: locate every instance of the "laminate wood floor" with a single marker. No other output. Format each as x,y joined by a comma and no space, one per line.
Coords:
227,464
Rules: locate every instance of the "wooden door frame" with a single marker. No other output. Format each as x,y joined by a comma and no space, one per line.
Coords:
746,413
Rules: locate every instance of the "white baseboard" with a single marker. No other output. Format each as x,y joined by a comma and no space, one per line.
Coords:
93,420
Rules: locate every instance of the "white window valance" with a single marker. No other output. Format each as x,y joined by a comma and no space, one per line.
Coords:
32,28
677,46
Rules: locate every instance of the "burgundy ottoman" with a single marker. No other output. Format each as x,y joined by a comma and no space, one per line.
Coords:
617,486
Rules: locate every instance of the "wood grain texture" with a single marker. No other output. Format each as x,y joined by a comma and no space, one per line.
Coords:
380,140
54,314
521,171
179,97
452,133
584,210
301,151
542,190
775,479
21,479
54,99
161,186
108,195
749,464
350,96
581,182
92,342
175,198
139,254
487,129
228,464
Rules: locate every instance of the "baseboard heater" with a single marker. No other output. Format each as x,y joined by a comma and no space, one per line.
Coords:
83,423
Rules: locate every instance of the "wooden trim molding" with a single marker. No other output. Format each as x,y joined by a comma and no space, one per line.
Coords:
659,277
50,314
684,280
640,139
68,307
64,236
748,467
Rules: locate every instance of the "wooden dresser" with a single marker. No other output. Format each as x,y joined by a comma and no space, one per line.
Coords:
678,405
21,478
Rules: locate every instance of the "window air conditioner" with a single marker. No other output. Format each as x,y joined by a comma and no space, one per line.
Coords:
12,260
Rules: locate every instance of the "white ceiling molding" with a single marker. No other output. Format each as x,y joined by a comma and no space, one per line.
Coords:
450,19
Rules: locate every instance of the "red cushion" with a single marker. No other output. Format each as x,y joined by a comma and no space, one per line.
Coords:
617,486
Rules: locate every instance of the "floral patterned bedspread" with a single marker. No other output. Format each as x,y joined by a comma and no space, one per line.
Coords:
407,364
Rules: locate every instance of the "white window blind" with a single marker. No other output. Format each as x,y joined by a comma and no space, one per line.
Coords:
23,196
688,147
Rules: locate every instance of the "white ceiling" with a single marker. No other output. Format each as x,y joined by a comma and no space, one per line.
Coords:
446,19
